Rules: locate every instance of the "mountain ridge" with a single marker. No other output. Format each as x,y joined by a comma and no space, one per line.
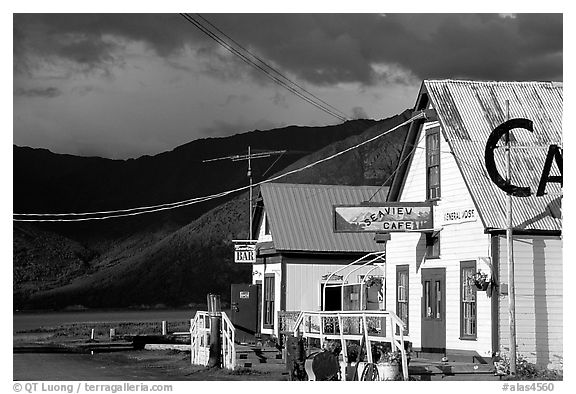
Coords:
176,257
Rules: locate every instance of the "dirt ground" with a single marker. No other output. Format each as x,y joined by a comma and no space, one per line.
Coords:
140,365
51,353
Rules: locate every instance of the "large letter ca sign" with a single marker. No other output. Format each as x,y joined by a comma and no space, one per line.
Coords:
554,154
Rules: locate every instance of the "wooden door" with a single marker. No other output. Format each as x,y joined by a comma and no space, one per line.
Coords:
244,310
433,310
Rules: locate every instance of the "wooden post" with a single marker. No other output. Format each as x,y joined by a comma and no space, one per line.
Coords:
510,258
249,157
215,350
250,197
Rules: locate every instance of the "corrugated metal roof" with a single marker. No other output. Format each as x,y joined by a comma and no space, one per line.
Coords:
468,112
302,219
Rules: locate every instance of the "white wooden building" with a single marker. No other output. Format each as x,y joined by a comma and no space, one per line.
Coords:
443,162
426,275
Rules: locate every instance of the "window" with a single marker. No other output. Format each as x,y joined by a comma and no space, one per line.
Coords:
432,300
433,245
268,301
428,313
438,309
266,225
433,163
402,287
467,301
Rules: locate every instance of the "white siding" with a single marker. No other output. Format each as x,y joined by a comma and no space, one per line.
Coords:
458,242
303,283
538,284
257,269
262,236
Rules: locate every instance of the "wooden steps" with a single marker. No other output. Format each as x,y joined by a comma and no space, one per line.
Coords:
247,355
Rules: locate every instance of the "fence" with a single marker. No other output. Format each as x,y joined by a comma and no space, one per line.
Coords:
368,326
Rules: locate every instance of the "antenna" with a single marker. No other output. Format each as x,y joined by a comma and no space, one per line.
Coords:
249,157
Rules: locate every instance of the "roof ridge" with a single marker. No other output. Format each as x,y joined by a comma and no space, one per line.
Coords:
476,81
318,185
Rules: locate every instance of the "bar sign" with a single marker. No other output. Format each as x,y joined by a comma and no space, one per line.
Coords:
245,254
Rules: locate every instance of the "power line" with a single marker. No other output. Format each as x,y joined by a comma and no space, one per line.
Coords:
178,204
272,165
271,68
249,157
250,62
233,50
397,168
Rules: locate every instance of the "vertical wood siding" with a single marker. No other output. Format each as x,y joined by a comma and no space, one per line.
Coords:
538,284
458,242
304,276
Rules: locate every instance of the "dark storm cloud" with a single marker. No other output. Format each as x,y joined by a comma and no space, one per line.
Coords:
322,49
38,92
89,39
331,48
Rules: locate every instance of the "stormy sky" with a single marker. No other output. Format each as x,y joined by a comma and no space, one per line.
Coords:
125,85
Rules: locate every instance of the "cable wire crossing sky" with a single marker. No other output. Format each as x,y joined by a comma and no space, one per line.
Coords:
125,85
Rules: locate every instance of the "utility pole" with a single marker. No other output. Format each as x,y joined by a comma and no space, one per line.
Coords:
249,158
510,256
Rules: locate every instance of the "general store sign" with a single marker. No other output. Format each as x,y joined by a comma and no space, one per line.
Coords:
454,216
384,217
245,253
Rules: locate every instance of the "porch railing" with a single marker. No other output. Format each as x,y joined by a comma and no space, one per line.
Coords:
286,322
344,326
200,340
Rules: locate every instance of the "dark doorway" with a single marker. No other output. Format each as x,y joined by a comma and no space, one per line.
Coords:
434,310
333,298
244,311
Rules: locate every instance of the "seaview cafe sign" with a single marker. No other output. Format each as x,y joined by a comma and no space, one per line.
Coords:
384,217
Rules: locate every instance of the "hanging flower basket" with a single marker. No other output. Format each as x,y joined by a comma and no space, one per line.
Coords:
480,280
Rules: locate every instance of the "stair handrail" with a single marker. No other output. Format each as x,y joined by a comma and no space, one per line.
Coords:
228,342
198,335
194,338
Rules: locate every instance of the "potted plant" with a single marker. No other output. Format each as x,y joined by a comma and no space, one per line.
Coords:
480,280
373,281
389,365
